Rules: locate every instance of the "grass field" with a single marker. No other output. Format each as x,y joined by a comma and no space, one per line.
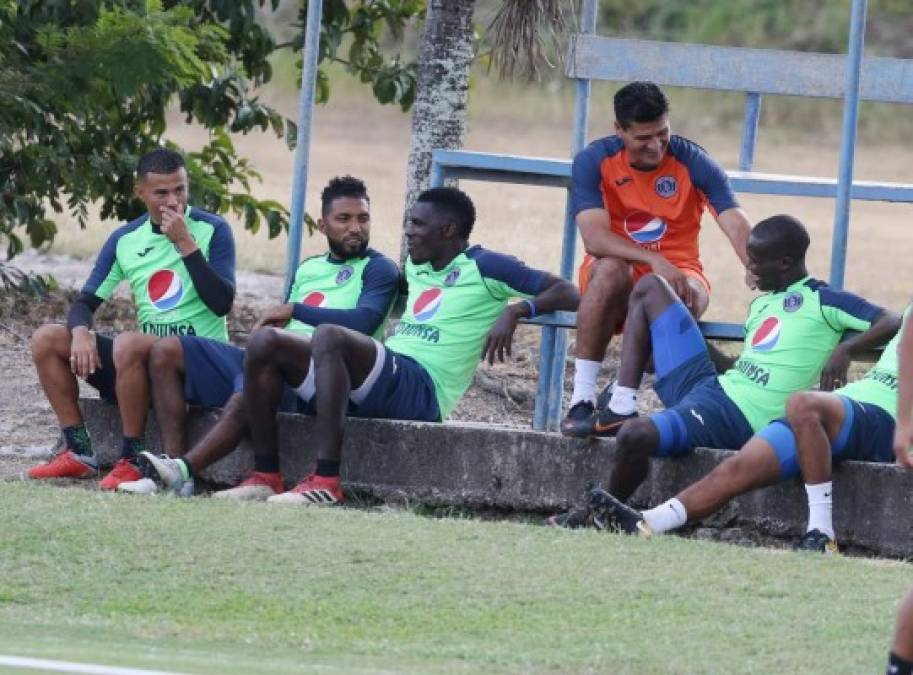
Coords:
203,586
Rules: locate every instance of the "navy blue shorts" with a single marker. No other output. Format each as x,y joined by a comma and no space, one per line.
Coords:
403,391
866,435
105,378
698,411
214,371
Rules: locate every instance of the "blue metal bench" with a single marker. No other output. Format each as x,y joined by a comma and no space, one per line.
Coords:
752,71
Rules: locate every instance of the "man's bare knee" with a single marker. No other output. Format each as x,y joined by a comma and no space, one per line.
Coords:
166,356
262,344
801,409
328,339
130,349
650,286
610,275
48,340
636,440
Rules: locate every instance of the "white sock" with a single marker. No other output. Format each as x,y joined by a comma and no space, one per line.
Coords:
622,401
670,515
821,508
585,374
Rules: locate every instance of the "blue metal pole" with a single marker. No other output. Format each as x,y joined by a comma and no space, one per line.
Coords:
750,130
848,142
553,349
303,147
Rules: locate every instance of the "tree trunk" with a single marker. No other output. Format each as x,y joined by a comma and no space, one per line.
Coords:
442,92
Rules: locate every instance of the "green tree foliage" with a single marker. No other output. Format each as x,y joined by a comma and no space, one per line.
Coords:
85,86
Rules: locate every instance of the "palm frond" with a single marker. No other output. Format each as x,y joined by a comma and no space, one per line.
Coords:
526,35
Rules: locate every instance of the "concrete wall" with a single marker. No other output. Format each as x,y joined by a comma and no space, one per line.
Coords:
480,466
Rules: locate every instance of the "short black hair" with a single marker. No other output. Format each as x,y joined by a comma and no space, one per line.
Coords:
639,102
160,160
342,186
782,235
455,203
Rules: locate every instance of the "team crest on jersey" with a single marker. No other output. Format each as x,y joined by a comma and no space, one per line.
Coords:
427,304
165,290
344,274
792,302
666,186
314,299
767,335
644,228
452,277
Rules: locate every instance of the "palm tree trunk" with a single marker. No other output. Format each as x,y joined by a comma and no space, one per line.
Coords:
442,91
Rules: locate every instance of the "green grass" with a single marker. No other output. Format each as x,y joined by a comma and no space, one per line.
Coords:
200,585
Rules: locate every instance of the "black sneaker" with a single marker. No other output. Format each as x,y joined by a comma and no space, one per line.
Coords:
815,540
611,514
579,420
572,520
602,401
602,512
607,422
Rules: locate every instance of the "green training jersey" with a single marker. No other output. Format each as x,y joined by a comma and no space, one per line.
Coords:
449,313
167,302
879,385
789,336
356,293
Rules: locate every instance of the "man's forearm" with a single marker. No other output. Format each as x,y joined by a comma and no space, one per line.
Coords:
561,295
884,328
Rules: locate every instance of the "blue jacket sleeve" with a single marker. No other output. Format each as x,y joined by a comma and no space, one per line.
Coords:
586,179
510,271
380,283
214,279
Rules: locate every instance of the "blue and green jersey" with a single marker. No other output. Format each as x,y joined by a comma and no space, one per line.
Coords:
449,313
167,302
356,293
789,336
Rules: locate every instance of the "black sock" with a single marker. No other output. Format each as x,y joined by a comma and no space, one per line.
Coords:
266,464
77,439
328,468
131,447
899,666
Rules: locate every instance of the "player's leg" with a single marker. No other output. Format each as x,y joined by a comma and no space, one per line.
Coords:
131,359
605,286
754,466
900,661
202,372
130,353
816,419
275,359
659,324
75,458
166,375
344,361
177,474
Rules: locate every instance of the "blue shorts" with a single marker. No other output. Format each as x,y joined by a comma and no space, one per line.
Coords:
698,411
866,435
403,391
214,371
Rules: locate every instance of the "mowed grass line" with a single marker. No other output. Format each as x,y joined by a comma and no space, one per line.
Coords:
200,585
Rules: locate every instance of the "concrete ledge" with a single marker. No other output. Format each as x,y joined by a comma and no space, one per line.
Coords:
476,465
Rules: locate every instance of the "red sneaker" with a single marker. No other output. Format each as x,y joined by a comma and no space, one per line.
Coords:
314,490
124,471
66,464
256,487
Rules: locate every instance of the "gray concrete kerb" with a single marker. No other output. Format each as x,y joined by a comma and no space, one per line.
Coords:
474,465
